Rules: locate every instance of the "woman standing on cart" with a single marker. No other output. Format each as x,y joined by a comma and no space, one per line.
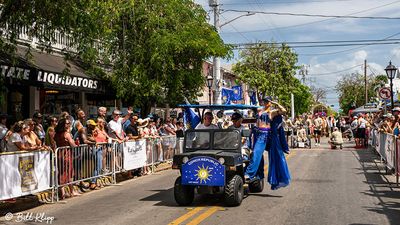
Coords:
269,135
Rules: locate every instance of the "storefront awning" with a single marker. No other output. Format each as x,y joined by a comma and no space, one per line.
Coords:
47,71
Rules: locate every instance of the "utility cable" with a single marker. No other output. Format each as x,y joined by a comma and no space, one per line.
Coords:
313,15
320,21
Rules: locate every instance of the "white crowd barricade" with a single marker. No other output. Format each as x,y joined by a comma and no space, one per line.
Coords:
387,146
24,173
389,150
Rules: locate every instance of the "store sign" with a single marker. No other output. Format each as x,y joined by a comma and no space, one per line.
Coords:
55,78
15,72
47,77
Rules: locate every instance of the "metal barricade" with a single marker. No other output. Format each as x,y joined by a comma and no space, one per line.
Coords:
84,163
388,148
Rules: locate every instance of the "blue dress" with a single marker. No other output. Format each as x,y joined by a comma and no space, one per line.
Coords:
278,171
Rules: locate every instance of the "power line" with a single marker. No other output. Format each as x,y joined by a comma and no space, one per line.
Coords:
323,46
319,21
241,33
340,71
288,2
347,50
313,15
322,42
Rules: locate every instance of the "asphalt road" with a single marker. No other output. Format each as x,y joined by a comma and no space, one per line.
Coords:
329,187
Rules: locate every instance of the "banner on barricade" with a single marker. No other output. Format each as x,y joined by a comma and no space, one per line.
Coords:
134,154
24,173
389,150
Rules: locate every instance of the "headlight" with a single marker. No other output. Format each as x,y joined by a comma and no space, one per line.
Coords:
221,160
185,159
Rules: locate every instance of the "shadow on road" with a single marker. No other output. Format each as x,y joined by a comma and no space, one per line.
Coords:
380,186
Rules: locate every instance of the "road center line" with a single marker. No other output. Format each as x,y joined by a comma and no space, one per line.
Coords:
186,216
205,215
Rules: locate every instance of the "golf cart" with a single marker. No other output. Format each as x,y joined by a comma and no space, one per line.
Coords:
212,161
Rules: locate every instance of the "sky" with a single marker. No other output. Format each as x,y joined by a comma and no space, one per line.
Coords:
325,65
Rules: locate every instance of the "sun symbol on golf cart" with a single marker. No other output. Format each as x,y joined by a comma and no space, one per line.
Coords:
203,174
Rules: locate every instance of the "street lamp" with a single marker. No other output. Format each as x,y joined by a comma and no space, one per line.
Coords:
210,80
391,73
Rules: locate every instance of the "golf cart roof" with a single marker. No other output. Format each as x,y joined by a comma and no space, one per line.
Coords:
220,107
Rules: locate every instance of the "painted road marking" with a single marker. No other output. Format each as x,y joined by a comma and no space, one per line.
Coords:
205,215
189,214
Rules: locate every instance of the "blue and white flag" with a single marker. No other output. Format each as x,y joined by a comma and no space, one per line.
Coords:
190,117
227,95
237,93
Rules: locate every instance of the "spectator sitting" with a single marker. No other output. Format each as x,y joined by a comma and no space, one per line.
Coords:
207,122
336,138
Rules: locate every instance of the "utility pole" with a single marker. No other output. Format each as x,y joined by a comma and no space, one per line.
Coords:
216,60
365,81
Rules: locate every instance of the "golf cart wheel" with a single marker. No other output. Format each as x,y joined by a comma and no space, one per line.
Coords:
234,191
184,194
257,186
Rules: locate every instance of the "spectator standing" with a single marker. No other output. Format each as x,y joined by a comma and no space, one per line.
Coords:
318,123
102,113
17,138
79,123
131,130
38,129
64,138
331,123
50,133
115,125
31,137
101,136
362,125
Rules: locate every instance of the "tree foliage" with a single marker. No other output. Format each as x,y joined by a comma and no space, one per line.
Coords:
351,89
151,51
270,69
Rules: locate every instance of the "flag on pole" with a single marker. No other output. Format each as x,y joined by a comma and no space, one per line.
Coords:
190,117
227,96
237,93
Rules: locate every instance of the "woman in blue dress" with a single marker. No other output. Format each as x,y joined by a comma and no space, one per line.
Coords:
269,135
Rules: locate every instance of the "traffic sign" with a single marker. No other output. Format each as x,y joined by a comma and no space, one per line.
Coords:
384,93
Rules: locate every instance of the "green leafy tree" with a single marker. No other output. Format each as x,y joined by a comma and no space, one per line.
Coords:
269,68
351,89
152,51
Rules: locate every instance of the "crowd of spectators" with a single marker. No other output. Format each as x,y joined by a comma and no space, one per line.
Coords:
66,130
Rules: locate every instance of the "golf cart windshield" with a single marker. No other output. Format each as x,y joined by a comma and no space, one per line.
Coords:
212,139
